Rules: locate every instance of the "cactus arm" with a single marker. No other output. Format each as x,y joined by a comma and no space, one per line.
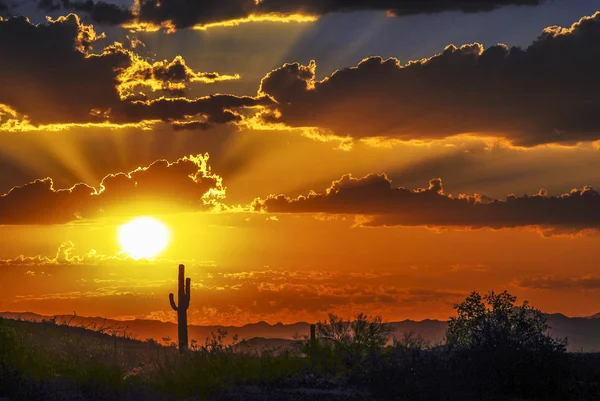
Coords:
172,301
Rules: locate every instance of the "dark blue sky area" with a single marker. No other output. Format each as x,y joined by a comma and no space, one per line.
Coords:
340,40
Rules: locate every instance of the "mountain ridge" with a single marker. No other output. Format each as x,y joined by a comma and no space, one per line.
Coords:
583,333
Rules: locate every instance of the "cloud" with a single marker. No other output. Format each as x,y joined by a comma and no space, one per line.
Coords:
536,95
560,283
471,268
272,292
181,112
171,77
382,204
51,78
64,256
173,14
162,187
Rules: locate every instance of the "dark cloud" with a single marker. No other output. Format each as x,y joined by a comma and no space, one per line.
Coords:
49,76
170,77
374,196
188,13
541,94
46,75
205,112
393,7
161,187
560,283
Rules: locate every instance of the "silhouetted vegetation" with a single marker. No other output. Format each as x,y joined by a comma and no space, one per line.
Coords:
495,350
183,299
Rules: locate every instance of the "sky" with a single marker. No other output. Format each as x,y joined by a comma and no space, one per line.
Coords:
305,157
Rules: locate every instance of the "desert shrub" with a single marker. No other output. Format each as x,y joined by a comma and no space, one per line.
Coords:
343,344
37,361
504,348
209,369
362,333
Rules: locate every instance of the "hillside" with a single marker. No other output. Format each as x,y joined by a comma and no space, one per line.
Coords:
45,361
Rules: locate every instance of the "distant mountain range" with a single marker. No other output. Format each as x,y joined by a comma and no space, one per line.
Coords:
583,333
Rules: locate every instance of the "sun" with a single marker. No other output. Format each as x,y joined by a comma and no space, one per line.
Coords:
143,237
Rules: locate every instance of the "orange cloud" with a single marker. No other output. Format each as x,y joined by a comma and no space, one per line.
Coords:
66,255
560,283
186,184
63,283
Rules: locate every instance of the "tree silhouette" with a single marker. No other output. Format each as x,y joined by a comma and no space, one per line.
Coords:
495,321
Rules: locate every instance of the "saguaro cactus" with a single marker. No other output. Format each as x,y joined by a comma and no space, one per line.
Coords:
313,344
183,300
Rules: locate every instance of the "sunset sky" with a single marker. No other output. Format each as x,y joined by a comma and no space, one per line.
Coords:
305,156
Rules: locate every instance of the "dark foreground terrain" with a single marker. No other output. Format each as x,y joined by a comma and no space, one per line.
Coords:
47,361
493,350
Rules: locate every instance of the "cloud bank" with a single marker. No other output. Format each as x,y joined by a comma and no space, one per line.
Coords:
162,187
541,94
386,206
50,78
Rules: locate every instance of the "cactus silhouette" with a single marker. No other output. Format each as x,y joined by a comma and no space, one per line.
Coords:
313,344
183,299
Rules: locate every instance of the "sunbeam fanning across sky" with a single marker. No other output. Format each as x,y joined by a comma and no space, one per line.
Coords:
380,156
369,194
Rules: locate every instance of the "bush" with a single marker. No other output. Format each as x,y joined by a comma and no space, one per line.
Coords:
210,369
495,322
505,348
362,333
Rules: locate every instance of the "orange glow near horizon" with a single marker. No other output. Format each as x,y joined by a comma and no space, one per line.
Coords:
120,161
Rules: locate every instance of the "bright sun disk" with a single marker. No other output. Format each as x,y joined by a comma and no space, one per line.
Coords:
143,237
